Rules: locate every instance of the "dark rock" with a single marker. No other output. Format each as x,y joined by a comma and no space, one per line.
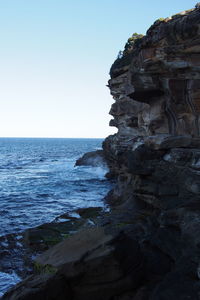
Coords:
91,265
176,286
156,159
89,212
41,287
94,159
46,235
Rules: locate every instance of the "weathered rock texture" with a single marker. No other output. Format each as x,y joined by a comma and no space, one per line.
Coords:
155,154
157,84
149,247
90,265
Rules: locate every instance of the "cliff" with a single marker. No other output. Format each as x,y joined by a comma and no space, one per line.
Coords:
155,154
148,246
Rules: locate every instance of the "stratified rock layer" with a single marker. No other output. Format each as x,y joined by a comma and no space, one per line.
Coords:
148,246
157,90
155,154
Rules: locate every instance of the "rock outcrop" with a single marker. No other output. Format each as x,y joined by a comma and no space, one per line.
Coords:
93,158
148,246
157,91
89,265
155,154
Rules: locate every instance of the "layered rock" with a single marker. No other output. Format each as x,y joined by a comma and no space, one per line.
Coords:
156,84
148,246
155,154
157,89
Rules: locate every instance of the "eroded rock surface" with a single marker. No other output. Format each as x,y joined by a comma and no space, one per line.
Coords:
148,246
155,154
157,84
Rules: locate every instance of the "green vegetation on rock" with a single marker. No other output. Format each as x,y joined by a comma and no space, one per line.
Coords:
131,42
124,57
44,269
160,20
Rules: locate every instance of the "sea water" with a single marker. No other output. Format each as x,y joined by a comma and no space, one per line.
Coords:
38,182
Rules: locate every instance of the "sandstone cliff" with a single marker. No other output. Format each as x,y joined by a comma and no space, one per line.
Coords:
148,246
155,154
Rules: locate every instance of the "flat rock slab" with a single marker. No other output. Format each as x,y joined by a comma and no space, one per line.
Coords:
73,248
90,265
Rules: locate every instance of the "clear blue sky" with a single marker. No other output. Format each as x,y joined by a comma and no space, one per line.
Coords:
55,57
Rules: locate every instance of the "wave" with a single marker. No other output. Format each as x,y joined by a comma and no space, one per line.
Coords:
99,172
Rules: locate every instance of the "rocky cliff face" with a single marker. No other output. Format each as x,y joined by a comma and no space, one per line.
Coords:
148,246
155,154
157,84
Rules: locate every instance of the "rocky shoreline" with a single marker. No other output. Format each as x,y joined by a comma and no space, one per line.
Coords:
147,247
18,250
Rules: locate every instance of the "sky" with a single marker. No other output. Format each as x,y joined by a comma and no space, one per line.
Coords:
55,57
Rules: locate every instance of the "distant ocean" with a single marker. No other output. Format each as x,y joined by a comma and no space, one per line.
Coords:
38,182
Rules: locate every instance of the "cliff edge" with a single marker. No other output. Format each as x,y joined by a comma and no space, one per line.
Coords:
155,154
148,246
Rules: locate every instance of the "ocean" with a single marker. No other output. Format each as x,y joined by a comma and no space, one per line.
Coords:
38,182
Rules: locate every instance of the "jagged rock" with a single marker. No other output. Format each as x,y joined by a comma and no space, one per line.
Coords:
93,158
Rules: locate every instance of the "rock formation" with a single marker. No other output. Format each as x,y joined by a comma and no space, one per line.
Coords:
93,158
155,154
148,246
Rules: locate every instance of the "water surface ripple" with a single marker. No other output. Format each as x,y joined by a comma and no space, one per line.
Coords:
38,180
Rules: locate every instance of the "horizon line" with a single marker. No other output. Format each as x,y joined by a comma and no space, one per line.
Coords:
35,137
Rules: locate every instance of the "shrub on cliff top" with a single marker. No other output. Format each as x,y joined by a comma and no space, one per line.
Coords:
160,20
131,41
129,44
124,57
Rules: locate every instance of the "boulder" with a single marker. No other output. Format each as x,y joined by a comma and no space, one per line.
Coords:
93,158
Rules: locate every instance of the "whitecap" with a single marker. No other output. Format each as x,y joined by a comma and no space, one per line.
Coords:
98,172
